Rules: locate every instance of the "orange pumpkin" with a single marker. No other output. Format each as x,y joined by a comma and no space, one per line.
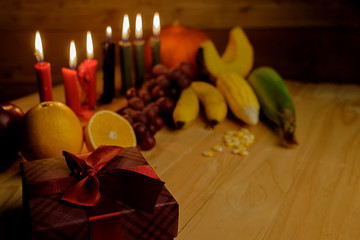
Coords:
178,44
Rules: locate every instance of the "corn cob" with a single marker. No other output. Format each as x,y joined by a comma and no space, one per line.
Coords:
239,96
275,101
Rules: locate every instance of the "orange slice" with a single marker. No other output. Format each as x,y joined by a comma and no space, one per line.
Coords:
108,128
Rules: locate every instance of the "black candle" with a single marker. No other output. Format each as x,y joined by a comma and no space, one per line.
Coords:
108,68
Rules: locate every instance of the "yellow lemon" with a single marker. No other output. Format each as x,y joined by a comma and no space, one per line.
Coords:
50,128
109,128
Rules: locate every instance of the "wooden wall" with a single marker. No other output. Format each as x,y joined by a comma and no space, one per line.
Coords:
305,40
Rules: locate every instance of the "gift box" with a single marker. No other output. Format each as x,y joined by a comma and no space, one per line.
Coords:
119,198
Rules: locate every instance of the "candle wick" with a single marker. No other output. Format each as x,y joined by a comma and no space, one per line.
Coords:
38,56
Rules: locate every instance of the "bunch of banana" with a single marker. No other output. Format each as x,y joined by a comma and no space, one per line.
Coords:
187,106
212,100
240,97
275,101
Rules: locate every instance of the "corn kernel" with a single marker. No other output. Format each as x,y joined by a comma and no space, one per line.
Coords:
245,131
218,148
208,154
248,141
251,137
239,134
229,132
238,141
229,144
235,151
234,138
226,138
236,144
243,152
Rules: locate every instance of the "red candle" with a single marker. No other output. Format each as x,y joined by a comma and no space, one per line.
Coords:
43,72
87,73
71,85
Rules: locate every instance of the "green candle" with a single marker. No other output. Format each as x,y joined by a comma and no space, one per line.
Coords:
139,53
155,50
125,57
155,40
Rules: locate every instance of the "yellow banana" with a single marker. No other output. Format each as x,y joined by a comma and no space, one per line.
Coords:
242,100
238,55
186,109
213,101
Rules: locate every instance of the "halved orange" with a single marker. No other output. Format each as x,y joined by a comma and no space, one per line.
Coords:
106,127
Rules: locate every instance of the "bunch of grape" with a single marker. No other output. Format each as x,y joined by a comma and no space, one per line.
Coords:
151,106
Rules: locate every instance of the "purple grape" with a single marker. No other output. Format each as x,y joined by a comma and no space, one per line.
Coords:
157,92
139,116
163,81
186,68
159,70
140,129
136,103
131,92
147,143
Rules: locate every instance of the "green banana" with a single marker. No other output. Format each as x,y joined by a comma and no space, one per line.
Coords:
212,100
186,109
275,101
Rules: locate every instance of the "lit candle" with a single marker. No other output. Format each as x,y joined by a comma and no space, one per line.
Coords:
139,52
125,56
108,68
43,72
155,40
72,94
87,73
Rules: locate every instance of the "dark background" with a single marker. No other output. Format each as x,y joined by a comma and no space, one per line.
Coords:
304,40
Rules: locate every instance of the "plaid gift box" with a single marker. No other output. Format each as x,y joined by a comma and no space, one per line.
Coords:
52,218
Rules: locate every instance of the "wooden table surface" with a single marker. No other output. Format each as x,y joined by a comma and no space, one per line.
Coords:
311,191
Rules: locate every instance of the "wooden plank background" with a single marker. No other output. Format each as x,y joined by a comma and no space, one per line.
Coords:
313,41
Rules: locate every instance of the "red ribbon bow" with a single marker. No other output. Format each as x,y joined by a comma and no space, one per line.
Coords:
138,186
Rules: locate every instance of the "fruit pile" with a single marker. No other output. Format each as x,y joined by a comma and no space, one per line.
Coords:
169,97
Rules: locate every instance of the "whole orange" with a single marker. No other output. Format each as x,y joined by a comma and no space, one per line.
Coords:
48,129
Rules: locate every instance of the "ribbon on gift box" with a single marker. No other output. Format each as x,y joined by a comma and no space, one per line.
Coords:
94,184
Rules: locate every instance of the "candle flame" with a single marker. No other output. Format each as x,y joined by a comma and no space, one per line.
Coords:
156,25
108,32
72,60
126,28
89,46
138,29
38,48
